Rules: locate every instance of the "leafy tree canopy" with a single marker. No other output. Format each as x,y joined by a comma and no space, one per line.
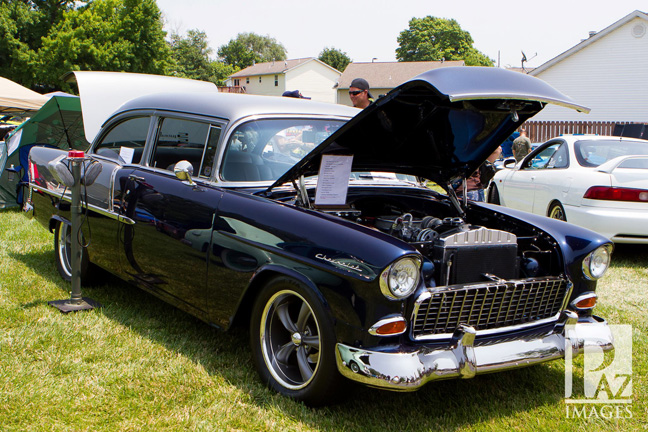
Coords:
23,24
431,38
249,48
109,35
335,58
40,40
191,58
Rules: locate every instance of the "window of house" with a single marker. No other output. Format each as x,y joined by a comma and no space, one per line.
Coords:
247,80
259,78
276,80
237,82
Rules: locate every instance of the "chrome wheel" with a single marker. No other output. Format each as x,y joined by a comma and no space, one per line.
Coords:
557,212
63,238
64,250
290,339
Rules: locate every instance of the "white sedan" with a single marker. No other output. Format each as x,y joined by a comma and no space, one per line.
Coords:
598,182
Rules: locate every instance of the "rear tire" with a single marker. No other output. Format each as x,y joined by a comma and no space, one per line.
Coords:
556,211
63,250
293,343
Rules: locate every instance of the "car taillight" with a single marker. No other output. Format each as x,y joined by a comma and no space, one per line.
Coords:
616,194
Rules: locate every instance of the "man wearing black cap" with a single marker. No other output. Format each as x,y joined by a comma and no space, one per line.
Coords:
359,93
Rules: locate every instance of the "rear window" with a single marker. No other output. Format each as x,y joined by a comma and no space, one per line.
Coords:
594,153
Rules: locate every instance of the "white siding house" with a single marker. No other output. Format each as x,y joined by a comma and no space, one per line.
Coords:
312,77
608,72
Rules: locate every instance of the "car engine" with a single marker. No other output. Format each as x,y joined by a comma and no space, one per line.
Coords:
460,252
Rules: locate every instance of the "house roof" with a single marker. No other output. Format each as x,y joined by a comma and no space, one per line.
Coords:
587,42
389,74
276,67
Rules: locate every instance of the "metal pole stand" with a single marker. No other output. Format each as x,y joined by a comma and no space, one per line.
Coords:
76,302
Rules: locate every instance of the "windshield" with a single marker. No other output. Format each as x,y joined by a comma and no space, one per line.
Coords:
263,150
592,153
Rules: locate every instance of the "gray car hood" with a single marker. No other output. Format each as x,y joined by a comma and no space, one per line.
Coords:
441,125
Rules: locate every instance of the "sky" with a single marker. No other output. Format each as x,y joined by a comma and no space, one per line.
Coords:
368,29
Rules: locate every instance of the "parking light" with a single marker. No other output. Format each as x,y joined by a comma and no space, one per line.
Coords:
585,301
390,326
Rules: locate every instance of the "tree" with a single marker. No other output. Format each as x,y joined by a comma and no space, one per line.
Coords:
432,38
335,58
40,40
191,58
191,55
250,48
109,35
23,24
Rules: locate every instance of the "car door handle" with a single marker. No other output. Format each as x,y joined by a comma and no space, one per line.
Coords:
136,178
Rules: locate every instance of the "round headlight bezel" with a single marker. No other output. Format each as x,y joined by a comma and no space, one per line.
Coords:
596,263
400,278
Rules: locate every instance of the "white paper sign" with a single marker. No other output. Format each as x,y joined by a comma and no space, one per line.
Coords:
333,180
126,153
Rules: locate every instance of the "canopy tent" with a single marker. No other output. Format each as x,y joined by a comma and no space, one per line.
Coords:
57,124
16,98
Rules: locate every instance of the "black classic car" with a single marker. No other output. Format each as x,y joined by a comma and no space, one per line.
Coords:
312,224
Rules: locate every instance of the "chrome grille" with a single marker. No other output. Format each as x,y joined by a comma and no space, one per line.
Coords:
487,306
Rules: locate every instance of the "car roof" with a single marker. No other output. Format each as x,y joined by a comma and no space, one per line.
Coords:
592,137
234,106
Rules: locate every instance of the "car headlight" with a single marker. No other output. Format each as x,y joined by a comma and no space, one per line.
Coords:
597,262
401,278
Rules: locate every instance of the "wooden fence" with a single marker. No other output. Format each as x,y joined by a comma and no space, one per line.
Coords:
541,131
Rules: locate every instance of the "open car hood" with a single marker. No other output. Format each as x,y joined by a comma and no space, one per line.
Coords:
441,125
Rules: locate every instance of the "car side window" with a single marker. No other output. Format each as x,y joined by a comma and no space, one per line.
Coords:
125,142
180,139
560,158
541,159
207,163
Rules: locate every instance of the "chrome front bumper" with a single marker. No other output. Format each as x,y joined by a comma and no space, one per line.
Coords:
394,368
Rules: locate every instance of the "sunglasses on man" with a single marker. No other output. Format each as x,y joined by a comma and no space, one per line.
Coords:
356,93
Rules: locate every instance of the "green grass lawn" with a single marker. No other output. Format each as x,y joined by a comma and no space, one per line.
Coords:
139,364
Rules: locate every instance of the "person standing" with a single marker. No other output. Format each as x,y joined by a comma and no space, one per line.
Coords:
359,93
521,146
479,180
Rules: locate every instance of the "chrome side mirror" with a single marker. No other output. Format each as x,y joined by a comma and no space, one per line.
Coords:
183,170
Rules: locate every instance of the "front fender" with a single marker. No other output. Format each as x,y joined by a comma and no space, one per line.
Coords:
575,242
335,294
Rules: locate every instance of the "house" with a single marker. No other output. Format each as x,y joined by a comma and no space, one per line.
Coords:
312,77
607,73
384,76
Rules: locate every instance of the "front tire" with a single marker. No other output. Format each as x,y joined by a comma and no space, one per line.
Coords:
493,195
556,211
293,343
63,249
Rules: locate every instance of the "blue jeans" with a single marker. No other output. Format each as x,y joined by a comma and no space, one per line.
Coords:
476,195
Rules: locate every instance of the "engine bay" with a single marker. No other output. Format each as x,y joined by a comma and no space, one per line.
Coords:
474,247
